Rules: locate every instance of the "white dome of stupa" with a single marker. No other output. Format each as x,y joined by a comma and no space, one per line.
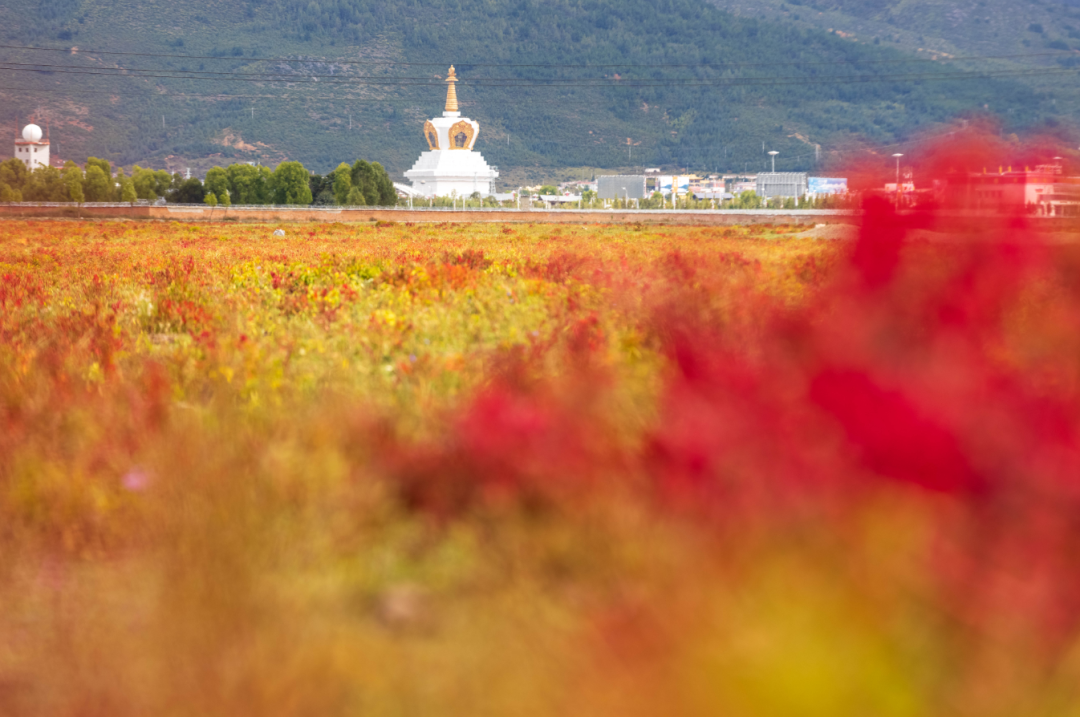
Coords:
31,133
451,166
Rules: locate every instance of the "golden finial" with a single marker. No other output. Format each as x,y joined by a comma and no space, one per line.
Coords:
451,92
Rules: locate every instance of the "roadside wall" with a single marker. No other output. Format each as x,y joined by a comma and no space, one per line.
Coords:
402,214
963,222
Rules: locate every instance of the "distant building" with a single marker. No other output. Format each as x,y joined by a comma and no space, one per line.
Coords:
553,200
712,187
621,186
31,148
404,191
1043,190
736,184
820,186
781,184
717,194
679,184
577,185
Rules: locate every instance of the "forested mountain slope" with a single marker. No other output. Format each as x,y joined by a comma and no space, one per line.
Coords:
559,83
966,27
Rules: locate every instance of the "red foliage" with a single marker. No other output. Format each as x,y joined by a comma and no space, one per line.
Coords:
919,365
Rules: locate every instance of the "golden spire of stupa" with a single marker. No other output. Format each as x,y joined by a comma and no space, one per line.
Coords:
451,92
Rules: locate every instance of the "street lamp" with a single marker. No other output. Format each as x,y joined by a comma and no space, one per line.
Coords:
898,155
773,154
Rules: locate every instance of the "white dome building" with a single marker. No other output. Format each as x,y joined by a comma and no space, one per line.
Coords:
451,167
31,148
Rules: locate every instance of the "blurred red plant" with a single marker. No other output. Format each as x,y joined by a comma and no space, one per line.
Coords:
911,365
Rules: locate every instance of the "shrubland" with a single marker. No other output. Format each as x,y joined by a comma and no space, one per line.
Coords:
522,469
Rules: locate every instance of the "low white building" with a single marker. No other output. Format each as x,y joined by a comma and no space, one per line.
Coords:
553,200
451,167
404,191
31,148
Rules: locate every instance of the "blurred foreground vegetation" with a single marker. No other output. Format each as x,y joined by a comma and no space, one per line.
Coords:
494,469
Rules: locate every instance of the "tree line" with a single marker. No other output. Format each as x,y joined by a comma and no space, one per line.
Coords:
361,184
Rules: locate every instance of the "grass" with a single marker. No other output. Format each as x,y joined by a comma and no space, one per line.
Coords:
530,470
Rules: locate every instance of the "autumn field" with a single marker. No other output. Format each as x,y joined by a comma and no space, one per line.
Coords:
538,470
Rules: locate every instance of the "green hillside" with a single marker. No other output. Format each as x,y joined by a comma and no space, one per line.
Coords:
980,27
565,83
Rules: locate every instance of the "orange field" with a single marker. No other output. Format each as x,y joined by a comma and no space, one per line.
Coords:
537,470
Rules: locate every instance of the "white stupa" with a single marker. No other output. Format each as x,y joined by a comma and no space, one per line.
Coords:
31,148
451,167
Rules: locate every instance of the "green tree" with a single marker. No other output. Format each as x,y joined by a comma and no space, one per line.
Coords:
342,182
97,186
355,198
210,199
13,173
290,184
162,182
176,180
242,179
44,184
364,179
224,199
118,184
747,200
7,194
145,182
127,191
102,163
189,191
249,184
322,189
217,181
384,186
73,180
264,190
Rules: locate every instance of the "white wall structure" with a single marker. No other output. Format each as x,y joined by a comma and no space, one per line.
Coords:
451,166
31,148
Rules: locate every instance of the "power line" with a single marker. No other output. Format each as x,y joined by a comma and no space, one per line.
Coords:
383,63
290,77
218,96
573,83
